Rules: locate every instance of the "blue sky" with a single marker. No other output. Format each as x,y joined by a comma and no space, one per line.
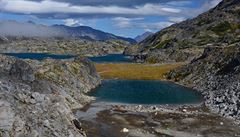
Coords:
127,18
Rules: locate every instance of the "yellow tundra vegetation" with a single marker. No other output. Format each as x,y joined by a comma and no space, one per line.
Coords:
135,71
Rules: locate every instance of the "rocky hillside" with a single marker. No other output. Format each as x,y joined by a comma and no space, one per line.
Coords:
210,43
37,97
186,40
216,74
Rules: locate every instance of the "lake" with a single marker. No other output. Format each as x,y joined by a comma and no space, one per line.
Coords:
111,58
145,92
38,56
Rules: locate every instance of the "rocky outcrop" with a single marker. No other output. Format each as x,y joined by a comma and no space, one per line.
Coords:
37,97
216,75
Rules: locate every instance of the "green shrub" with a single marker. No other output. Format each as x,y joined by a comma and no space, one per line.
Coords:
203,22
163,44
152,60
222,27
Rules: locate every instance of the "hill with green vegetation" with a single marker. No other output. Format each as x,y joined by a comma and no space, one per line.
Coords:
219,26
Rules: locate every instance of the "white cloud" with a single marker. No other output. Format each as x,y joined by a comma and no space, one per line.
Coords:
126,19
148,30
157,25
178,3
49,6
72,22
122,22
176,19
208,4
214,3
127,23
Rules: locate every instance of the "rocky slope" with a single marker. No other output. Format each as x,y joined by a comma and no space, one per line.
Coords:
184,41
216,74
37,97
210,42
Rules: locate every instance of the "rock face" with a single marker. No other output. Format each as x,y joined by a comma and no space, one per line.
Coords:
216,74
186,40
37,98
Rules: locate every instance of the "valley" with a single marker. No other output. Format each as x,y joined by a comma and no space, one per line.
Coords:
60,78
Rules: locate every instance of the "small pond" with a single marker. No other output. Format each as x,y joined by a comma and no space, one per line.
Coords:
145,92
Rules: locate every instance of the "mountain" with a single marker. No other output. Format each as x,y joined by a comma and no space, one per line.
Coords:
88,32
185,41
30,29
140,38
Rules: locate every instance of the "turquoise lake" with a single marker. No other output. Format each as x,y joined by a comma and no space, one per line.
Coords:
145,92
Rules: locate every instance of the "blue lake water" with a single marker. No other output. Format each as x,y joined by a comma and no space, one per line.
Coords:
145,92
112,58
38,56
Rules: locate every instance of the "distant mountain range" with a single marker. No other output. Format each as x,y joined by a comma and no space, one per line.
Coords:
140,38
30,29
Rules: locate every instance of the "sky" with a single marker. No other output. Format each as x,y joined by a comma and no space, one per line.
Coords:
127,18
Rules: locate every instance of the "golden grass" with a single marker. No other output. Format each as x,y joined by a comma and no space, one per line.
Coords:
135,71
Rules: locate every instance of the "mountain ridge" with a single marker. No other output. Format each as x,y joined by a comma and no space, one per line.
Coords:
143,36
31,29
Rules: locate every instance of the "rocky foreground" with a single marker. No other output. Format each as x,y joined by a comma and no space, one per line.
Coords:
37,97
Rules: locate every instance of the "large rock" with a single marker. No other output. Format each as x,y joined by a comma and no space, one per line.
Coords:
22,70
37,97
